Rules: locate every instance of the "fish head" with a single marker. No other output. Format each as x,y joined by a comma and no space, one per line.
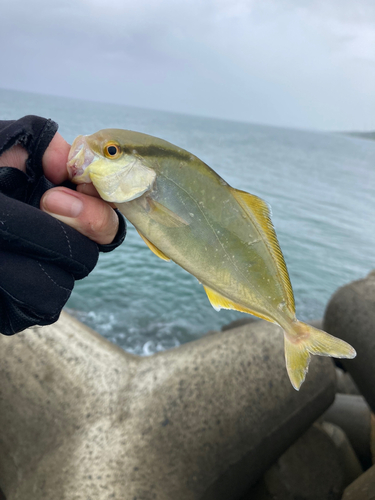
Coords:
109,160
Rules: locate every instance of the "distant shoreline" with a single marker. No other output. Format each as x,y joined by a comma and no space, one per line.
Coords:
362,135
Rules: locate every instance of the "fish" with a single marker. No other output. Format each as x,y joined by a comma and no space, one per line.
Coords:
186,213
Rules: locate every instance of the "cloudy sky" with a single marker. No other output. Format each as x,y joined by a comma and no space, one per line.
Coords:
296,63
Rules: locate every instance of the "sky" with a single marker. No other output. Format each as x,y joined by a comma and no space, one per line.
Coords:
295,63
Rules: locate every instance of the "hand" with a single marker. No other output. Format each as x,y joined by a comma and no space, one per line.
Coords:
41,256
83,209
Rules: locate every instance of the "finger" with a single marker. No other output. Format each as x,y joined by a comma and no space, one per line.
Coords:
91,216
90,190
55,158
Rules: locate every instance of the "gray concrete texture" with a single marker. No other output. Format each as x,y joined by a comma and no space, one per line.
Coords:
309,470
345,383
82,419
350,315
348,459
362,488
352,414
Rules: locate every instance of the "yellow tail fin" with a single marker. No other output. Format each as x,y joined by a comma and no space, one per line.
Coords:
303,340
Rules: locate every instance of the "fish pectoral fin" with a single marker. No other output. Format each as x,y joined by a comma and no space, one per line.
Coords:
163,215
153,248
259,212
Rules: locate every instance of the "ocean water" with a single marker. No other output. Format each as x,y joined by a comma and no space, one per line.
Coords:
321,187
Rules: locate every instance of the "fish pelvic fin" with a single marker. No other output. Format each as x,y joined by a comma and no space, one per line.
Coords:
153,248
302,340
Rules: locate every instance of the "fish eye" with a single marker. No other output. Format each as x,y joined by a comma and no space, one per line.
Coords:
112,151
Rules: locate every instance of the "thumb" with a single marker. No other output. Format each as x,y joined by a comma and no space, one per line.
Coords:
91,216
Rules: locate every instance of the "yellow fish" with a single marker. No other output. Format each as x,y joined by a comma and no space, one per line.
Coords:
187,213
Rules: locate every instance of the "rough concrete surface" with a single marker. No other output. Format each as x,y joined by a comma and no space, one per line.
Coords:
362,488
348,459
82,419
309,470
350,315
352,414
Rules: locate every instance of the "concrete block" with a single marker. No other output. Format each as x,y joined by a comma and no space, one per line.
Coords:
347,457
345,383
310,469
350,315
353,416
362,488
82,419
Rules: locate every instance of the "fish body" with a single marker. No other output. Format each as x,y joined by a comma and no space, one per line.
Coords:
200,225
185,212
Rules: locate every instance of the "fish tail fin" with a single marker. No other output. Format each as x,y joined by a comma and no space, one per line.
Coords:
302,340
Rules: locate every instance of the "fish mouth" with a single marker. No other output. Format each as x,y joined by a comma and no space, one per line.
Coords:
80,157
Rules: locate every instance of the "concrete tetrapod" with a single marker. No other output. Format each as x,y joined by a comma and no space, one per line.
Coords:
362,488
353,415
310,469
82,419
350,315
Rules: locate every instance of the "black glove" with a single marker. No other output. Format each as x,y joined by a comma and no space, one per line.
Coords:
40,257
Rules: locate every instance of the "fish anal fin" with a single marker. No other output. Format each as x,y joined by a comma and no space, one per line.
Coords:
163,215
218,302
259,212
153,248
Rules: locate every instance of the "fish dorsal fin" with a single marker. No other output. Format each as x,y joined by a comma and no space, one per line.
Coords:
163,215
153,248
218,302
258,211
